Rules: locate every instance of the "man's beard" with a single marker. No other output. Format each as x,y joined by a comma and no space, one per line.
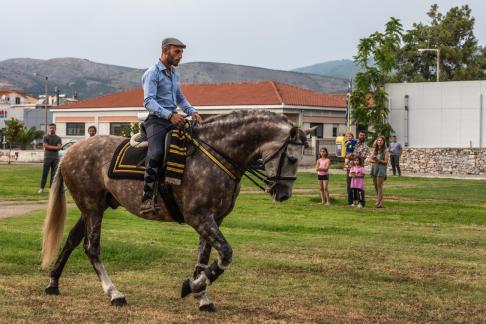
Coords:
172,61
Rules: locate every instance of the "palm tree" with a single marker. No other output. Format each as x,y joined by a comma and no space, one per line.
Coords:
27,136
17,134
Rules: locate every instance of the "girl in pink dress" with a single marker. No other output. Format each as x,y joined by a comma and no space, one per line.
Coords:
357,174
322,168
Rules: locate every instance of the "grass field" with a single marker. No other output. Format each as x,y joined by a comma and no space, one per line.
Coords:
421,259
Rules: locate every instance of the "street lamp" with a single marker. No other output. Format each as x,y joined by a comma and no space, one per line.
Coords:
437,51
46,78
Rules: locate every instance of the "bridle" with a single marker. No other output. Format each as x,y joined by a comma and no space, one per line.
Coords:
271,181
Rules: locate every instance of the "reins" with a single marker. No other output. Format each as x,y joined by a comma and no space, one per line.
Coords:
254,171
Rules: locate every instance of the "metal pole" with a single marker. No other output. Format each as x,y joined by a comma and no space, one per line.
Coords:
406,120
438,65
481,120
348,122
46,102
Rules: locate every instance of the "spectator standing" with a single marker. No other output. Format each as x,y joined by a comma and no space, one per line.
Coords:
395,154
379,160
361,149
357,174
322,168
348,163
52,145
91,131
349,145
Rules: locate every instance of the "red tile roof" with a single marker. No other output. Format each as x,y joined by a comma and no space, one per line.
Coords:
8,91
224,94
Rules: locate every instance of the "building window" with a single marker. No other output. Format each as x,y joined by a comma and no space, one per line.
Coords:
74,129
334,130
117,128
17,100
319,129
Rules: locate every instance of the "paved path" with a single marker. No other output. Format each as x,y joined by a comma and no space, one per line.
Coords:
18,208
410,174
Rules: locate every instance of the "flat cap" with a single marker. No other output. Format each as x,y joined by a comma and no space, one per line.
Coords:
172,41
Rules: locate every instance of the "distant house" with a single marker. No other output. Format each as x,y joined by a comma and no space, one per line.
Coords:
111,112
10,99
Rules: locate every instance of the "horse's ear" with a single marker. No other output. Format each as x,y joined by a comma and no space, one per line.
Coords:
310,130
294,131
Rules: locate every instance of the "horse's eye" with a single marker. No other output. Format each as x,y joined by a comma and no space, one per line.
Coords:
292,159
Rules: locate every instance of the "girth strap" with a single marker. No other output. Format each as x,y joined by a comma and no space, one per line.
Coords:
165,191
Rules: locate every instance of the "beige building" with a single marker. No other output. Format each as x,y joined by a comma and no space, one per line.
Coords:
12,105
110,113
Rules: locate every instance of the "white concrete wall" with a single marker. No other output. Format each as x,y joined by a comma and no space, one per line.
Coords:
21,155
440,114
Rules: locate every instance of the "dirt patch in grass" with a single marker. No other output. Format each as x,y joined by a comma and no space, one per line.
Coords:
19,208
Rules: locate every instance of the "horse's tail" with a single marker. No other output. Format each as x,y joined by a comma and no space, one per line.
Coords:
54,223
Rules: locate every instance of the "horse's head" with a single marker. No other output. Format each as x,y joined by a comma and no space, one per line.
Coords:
281,161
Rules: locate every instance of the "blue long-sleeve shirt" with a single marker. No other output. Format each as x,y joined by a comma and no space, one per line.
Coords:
162,92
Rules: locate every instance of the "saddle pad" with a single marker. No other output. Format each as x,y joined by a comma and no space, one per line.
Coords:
128,162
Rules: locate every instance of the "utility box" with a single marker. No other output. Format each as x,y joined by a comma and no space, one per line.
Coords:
340,147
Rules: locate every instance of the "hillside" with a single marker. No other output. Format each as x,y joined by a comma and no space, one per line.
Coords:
344,69
90,79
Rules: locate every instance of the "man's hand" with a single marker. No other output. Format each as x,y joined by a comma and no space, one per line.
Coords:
177,120
196,118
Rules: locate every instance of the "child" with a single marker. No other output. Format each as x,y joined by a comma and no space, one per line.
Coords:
357,174
322,168
349,145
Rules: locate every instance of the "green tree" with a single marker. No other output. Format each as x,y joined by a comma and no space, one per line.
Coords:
368,99
16,133
132,129
461,58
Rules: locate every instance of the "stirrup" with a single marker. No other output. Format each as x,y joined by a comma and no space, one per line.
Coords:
154,207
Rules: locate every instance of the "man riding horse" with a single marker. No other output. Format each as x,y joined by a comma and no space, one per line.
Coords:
162,95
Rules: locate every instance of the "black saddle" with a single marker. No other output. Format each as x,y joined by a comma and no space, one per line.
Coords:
128,161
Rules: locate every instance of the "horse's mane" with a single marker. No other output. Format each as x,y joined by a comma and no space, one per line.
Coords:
237,118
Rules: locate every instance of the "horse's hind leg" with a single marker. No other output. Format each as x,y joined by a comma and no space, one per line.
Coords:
205,304
92,249
75,236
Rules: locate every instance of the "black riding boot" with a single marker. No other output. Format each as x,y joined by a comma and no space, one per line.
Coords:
156,129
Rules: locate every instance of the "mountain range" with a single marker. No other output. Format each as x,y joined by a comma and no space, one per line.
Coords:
343,69
90,79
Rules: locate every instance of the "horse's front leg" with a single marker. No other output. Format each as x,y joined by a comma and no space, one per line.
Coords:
211,234
205,304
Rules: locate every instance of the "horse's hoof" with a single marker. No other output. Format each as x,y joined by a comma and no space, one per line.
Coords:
210,308
119,302
186,288
51,290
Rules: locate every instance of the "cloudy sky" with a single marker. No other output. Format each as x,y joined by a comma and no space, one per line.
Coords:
278,34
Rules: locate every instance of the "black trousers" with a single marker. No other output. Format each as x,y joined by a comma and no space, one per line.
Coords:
49,164
359,195
348,188
156,129
395,163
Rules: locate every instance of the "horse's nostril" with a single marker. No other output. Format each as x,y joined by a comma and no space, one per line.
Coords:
282,196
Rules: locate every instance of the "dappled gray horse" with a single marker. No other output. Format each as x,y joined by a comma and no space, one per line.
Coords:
206,196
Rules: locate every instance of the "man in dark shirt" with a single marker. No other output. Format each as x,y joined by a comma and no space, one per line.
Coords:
52,145
162,95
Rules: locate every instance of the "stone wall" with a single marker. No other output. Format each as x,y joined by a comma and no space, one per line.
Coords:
22,155
444,160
